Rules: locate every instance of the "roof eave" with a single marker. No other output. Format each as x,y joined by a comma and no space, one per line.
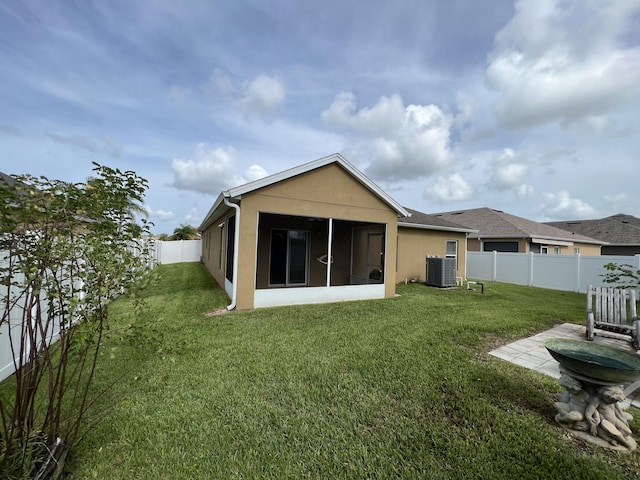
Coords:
240,190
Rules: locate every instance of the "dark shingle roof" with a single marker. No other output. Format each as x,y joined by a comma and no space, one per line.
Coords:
491,223
423,220
619,229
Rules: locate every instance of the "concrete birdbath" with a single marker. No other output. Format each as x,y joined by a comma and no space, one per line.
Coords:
593,376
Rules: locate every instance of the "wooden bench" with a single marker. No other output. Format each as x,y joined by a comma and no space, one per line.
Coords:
612,310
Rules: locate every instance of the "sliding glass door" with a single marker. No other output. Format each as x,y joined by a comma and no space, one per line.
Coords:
289,257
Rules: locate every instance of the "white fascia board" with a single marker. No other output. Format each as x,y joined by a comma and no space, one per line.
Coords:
564,241
551,240
215,208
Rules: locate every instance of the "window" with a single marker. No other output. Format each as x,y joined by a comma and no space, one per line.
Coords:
500,246
556,250
231,235
289,255
452,249
221,245
544,249
576,250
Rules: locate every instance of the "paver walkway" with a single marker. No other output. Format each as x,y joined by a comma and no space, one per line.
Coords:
530,352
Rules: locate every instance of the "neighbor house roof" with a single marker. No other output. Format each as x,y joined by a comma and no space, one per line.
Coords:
491,223
237,192
431,222
619,229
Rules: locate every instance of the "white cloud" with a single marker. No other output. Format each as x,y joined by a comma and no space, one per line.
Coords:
562,207
402,142
450,189
104,146
161,215
507,172
211,171
257,97
467,107
525,190
255,172
207,172
563,61
193,217
262,95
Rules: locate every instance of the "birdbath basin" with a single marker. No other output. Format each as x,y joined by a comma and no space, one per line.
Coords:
599,362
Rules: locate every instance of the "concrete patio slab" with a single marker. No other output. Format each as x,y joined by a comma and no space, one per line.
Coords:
531,354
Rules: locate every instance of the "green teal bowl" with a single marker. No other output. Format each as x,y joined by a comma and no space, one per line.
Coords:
600,362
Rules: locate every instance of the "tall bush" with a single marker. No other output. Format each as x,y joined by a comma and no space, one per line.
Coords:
622,275
67,249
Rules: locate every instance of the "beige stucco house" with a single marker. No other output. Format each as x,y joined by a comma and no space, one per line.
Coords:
499,231
319,232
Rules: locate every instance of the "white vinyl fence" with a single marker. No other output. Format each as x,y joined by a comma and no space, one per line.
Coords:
165,253
573,273
178,251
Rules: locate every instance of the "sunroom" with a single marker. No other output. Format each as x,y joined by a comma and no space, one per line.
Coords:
310,259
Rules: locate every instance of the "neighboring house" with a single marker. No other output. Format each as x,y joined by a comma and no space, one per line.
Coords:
421,236
621,232
319,232
503,232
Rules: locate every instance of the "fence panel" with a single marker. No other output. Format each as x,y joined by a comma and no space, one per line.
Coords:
165,253
572,273
556,272
178,251
513,267
481,264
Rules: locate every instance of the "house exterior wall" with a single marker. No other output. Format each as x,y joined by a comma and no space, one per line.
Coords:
584,249
326,192
524,246
414,245
213,248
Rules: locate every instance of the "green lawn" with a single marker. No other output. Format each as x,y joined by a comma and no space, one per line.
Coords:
397,388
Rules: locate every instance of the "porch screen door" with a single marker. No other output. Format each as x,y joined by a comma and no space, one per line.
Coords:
367,255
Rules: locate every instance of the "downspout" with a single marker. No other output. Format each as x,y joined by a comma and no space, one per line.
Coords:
236,244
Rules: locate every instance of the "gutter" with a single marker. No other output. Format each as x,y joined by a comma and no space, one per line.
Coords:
236,244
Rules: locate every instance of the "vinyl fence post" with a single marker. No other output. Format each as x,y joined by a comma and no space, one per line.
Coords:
494,273
577,285
531,257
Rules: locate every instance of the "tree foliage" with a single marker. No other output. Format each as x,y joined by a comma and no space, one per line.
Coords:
184,232
622,275
66,250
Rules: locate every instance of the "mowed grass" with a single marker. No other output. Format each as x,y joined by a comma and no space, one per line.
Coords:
396,388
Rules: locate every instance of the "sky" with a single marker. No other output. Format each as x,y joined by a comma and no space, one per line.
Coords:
530,107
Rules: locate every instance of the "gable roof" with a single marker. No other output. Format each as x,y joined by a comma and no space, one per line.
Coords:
490,223
431,222
619,229
236,193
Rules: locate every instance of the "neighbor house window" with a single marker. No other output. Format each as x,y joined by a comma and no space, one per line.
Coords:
576,249
544,249
289,253
556,250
